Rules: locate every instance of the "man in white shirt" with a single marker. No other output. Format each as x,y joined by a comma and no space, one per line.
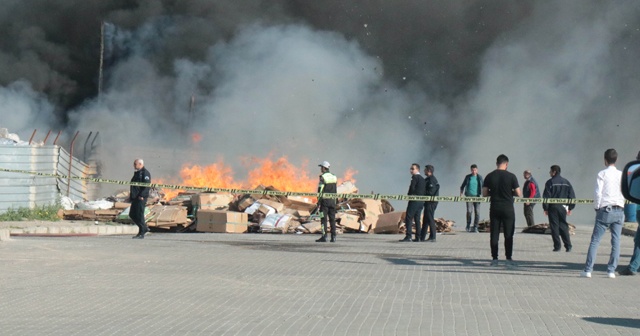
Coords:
609,206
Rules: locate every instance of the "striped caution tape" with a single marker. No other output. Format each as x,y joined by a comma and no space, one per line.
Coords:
306,194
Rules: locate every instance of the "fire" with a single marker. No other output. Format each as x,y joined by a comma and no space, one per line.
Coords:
196,137
279,173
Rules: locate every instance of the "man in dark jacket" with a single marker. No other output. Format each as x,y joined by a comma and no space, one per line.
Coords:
414,208
472,187
529,190
327,185
138,196
558,187
433,189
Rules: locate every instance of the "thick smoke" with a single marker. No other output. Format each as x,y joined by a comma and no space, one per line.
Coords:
374,87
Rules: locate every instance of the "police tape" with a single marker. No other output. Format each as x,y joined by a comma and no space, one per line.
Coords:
306,194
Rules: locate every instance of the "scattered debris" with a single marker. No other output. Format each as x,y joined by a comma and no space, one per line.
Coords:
545,229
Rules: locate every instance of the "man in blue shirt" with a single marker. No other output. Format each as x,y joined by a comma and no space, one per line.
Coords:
472,187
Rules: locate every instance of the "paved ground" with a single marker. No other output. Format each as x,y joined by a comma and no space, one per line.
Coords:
252,284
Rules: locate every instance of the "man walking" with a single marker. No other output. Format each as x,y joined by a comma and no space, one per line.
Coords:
138,196
327,185
414,208
558,187
432,189
501,186
529,190
634,263
609,206
472,187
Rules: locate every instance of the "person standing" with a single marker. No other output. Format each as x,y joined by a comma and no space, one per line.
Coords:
609,206
472,187
634,263
558,187
327,185
501,185
432,189
414,208
529,190
138,196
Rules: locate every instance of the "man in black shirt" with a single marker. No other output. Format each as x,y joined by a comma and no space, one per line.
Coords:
433,189
501,186
414,208
138,196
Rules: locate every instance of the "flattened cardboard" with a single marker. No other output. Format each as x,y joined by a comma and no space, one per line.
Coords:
375,206
389,222
277,206
211,200
349,221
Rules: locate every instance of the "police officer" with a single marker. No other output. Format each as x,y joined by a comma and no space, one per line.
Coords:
138,196
328,184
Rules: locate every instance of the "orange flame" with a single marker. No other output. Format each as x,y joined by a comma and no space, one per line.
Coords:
279,173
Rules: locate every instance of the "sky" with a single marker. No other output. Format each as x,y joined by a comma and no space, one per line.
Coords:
368,85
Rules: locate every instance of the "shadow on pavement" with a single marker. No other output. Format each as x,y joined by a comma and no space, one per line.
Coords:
622,322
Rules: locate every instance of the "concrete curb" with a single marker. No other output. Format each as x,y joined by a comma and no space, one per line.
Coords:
68,231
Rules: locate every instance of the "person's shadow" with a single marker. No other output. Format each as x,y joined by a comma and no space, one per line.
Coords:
615,321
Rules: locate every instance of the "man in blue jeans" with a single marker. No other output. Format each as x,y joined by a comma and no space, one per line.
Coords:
609,206
634,264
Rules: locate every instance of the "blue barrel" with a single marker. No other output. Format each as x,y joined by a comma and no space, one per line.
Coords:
630,212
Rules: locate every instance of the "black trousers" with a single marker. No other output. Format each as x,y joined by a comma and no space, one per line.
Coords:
328,212
428,219
505,219
528,214
136,213
414,208
559,226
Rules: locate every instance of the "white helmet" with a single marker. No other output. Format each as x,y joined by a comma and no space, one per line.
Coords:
325,164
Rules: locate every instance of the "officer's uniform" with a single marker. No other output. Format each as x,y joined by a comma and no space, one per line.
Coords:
136,212
328,185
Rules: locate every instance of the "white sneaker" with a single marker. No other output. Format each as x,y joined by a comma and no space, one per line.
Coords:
584,274
611,275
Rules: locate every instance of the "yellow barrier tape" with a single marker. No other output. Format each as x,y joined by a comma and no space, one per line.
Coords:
305,194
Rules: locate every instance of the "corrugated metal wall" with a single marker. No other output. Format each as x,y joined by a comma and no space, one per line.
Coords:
24,190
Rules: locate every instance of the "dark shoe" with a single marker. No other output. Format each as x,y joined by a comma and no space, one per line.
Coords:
569,249
467,228
322,239
138,237
626,271
430,240
556,249
475,229
333,239
406,239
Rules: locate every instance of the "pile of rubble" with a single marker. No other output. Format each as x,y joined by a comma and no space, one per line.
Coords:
228,213
484,226
545,229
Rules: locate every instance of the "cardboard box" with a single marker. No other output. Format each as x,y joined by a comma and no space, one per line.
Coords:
245,203
389,222
278,223
349,221
297,205
222,221
275,205
167,215
265,209
121,205
374,206
313,227
211,200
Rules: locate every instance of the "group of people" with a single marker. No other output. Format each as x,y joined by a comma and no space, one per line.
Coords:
500,185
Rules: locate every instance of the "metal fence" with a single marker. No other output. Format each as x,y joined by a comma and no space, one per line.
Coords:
27,191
